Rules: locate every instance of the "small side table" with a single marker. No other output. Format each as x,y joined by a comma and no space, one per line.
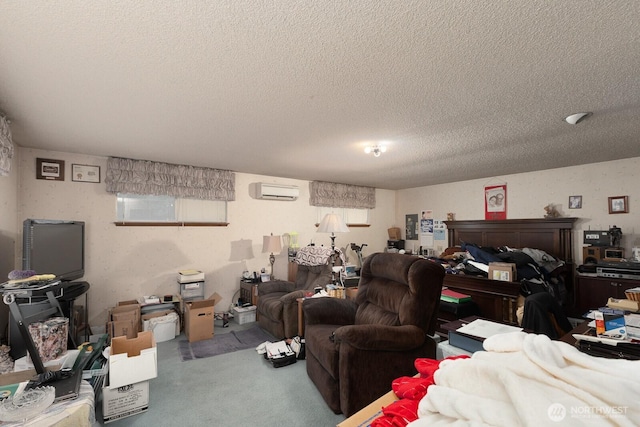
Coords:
249,292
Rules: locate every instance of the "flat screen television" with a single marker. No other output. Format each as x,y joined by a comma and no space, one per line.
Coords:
53,247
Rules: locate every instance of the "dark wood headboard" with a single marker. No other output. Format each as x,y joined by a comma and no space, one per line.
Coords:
497,300
550,235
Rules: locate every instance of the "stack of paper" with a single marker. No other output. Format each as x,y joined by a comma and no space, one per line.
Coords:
190,276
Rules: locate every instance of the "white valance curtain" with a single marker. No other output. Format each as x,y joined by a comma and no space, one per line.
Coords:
333,195
165,179
6,147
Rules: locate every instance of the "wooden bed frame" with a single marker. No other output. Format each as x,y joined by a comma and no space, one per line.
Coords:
497,300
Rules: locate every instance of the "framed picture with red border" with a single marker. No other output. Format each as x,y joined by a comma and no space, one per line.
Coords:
495,201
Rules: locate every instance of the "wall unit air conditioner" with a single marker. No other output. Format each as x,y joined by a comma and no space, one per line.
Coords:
276,191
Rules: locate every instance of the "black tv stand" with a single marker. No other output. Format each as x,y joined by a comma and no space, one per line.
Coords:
37,305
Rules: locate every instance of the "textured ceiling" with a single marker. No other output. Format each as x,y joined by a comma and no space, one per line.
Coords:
290,88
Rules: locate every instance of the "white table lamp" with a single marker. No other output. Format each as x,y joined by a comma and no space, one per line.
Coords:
271,244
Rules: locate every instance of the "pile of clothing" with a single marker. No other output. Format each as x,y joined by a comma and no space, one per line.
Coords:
520,380
537,271
540,276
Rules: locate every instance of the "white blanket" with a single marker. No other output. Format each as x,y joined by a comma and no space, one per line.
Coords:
528,380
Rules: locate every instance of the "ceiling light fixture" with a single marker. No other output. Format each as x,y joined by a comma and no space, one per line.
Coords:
574,119
376,150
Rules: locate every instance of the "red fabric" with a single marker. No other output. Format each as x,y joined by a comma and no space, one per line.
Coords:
410,387
409,391
382,421
402,412
397,414
427,367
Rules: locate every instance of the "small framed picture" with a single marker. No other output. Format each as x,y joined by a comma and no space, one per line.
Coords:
50,169
575,202
618,204
85,173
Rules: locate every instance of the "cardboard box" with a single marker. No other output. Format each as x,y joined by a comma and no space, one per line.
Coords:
199,317
132,360
394,233
127,316
23,376
623,304
352,292
122,328
242,315
125,401
365,416
504,271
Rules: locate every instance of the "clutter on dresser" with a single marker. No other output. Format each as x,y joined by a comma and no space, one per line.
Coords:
613,331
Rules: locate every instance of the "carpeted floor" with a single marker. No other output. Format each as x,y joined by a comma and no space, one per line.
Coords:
229,390
223,343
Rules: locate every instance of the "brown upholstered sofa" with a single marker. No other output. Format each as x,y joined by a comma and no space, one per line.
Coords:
277,308
355,349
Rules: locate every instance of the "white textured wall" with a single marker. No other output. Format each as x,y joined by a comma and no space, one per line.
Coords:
8,229
127,262
8,218
529,193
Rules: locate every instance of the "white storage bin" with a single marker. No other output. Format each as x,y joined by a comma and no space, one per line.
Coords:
164,328
244,315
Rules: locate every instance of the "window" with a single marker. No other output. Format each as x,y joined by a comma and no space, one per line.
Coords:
168,210
351,216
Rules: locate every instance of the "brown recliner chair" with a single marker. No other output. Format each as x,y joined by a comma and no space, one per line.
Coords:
355,349
277,300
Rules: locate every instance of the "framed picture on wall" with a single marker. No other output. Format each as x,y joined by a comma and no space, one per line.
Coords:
575,202
85,173
618,204
411,227
50,169
495,202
